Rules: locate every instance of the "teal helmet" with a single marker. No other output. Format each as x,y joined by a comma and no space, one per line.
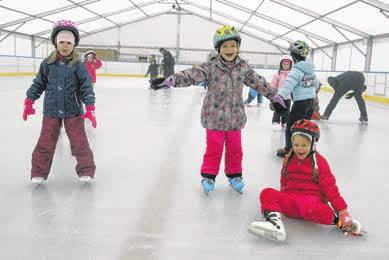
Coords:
225,33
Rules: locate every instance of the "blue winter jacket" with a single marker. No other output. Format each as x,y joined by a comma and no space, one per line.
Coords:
65,87
301,82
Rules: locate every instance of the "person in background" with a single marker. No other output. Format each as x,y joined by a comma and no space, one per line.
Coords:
152,70
353,81
251,96
92,63
279,119
167,62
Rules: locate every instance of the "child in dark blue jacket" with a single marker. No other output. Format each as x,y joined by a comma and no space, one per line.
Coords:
66,83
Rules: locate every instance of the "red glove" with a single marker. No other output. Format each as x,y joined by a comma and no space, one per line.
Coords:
28,109
90,114
346,221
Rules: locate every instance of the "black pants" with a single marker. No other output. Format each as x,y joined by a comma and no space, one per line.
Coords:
283,117
301,109
168,71
338,95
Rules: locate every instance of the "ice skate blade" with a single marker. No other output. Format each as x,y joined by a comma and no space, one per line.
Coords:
239,191
362,233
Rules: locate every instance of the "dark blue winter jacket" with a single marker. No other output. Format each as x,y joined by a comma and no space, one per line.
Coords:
65,86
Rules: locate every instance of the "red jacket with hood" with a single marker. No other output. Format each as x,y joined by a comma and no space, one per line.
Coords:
299,179
92,67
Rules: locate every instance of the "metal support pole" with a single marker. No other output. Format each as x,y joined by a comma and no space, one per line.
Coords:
117,58
369,50
351,55
119,38
33,46
178,34
312,56
334,56
33,55
339,31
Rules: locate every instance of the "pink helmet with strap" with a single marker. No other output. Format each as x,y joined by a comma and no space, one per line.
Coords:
65,25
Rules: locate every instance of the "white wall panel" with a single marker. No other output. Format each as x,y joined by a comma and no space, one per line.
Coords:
380,56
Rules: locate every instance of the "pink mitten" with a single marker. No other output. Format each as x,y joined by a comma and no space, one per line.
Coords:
28,109
90,114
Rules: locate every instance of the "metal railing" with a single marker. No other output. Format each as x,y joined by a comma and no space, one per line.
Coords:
377,82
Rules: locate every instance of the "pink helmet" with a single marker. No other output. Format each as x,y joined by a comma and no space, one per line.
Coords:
286,57
65,25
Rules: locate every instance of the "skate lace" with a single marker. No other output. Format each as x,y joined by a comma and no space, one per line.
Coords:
237,179
273,219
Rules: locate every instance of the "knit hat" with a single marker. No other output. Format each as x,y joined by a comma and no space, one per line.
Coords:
65,36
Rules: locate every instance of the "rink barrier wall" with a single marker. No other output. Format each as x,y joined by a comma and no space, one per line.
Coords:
10,66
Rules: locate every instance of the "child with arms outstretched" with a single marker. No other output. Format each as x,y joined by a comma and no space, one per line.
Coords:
223,115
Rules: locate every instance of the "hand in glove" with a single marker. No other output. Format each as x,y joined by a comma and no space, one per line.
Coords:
350,95
159,83
278,103
271,106
28,109
90,114
345,219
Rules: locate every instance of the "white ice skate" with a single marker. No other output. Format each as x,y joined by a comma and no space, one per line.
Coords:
276,127
37,180
363,121
272,229
85,179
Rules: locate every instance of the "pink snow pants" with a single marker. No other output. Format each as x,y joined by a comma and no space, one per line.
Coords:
216,139
43,154
300,206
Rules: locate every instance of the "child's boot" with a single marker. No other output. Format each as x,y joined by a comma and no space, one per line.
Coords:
272,229
237,183
208,185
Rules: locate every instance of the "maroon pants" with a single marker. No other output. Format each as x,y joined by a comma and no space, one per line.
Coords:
43,154
308,207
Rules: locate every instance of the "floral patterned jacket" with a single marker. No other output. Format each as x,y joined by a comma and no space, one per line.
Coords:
223,104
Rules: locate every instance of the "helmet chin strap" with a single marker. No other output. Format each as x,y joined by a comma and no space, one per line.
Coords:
313,148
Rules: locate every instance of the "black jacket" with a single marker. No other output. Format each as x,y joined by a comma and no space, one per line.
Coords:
168,59
349,80
153,70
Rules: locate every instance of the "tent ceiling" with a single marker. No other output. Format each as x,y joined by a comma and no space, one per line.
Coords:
274,21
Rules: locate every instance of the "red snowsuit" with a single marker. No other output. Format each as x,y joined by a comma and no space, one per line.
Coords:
92,67
301,197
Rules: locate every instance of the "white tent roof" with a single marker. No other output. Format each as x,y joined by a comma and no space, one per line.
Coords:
277,22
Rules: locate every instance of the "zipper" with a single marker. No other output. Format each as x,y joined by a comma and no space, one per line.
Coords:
75,96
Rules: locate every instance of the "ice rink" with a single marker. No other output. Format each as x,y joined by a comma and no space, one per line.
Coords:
146,202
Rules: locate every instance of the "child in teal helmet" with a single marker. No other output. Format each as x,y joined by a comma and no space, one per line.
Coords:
301,83
223,114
